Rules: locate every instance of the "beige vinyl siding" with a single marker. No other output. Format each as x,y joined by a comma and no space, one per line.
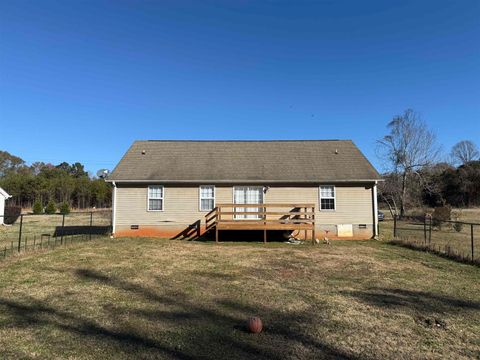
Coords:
353,203
181,204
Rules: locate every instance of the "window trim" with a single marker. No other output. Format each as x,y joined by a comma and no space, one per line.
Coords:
334,198
262,191
200,198
161,198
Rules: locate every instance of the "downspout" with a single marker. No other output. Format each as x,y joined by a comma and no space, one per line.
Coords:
375,211
114,207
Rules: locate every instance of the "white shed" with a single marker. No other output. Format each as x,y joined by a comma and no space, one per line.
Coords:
3,196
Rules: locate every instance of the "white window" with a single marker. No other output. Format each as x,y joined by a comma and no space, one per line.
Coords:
155,198
207,197
327,197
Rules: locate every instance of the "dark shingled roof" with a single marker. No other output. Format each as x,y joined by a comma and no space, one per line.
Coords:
244,161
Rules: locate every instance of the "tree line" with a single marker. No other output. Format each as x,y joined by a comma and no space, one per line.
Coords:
44,183
419,173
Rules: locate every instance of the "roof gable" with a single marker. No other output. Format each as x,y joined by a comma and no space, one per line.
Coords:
244,161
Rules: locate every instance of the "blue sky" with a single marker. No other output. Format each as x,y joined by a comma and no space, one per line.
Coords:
80,80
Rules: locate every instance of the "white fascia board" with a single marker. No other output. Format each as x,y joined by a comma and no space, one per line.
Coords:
247,181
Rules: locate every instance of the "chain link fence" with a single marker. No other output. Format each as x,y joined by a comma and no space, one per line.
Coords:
455,239
33,232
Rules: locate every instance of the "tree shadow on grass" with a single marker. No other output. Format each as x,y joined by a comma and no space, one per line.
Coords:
35,312
421,301
294,328
163,322
222,324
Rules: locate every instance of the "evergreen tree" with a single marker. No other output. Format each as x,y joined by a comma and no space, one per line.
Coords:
51,208
37,207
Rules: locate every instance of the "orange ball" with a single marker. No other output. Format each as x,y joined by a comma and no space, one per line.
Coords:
255,325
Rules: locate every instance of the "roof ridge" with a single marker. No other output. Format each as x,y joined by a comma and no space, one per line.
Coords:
292,140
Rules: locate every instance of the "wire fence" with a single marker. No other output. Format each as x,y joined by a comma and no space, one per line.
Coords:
454,239
36,232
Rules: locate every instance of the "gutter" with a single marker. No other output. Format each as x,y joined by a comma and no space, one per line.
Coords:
376,232
249,181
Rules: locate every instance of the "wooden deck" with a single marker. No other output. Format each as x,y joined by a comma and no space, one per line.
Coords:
264,217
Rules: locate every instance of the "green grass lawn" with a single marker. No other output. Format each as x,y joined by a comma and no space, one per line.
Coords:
144,298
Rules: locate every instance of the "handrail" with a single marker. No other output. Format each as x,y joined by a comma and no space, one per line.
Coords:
216,214
246,221
261,207
292,213
294,205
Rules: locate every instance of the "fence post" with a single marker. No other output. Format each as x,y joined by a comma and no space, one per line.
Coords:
91,225
430,232
395,226
20,233
63,226
471,238
425,230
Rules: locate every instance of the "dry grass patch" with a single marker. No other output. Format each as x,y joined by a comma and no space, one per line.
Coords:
445,240
144,298
36,225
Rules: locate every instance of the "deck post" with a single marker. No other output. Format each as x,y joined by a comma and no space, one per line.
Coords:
305,216
219,217
265,225
313,224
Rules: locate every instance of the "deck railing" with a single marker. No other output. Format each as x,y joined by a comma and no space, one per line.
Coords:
282,216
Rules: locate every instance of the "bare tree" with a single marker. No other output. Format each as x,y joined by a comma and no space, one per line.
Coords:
464,152
387,191
409,147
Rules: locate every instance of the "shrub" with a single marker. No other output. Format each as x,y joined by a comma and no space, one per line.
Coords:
37,207
458,226
51,208
64,208
442,213
12,213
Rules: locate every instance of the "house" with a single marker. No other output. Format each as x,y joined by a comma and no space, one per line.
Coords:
3,197
179,189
